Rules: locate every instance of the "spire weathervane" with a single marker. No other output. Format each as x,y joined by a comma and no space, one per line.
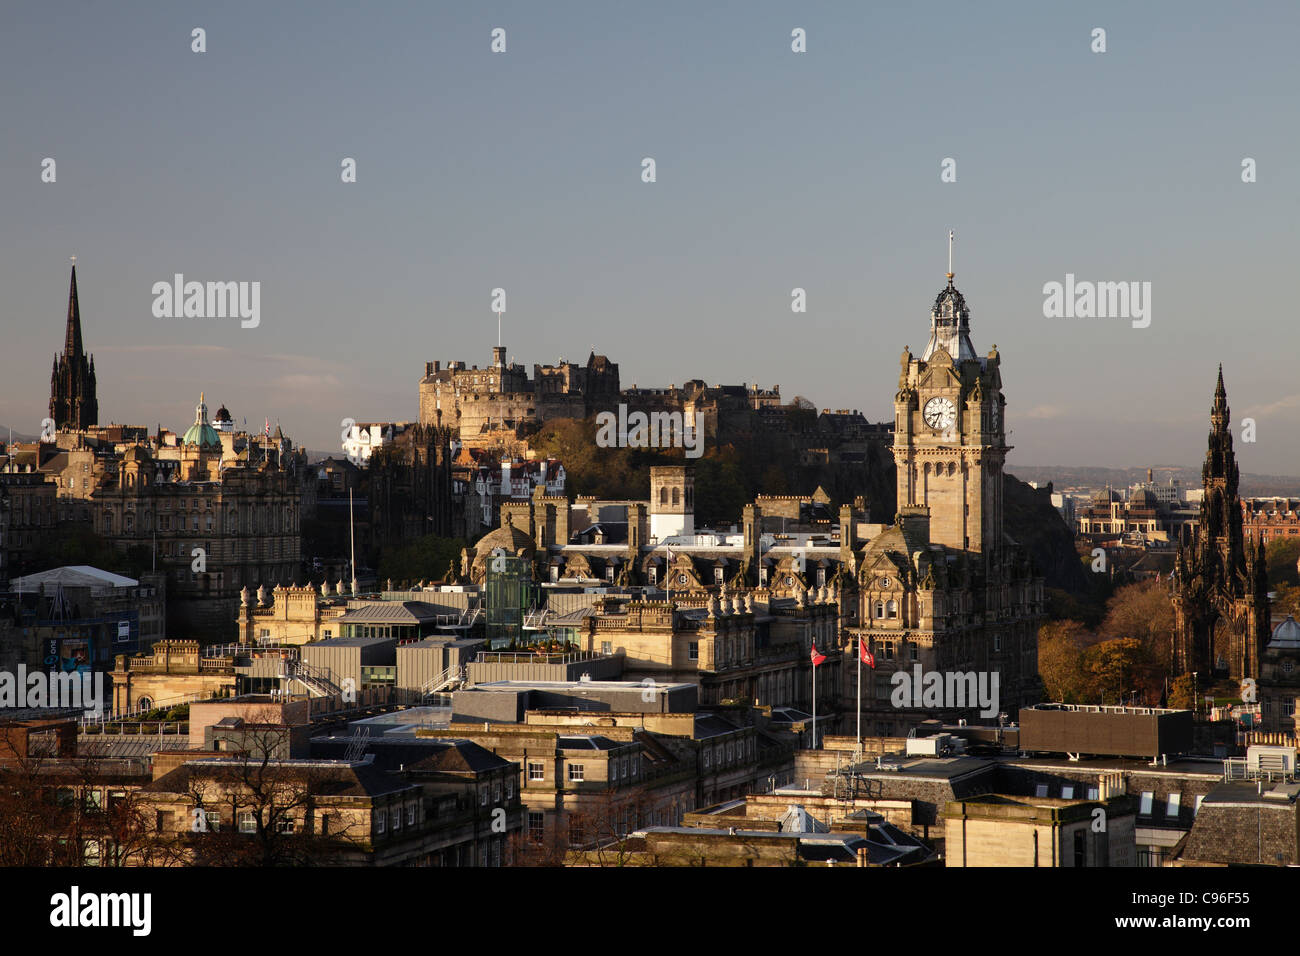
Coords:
950,237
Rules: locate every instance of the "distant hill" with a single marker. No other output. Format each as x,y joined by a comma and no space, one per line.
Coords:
1066,478
18,436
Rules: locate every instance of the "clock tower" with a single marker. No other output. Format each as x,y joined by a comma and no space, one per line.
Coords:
949,438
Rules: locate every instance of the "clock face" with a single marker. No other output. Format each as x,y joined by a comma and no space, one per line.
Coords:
940,413
681,579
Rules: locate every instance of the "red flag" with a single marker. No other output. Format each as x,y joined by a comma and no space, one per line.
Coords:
817,658
867,657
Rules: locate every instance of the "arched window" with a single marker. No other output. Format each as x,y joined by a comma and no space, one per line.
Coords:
891,609
663,496
880,609
677,497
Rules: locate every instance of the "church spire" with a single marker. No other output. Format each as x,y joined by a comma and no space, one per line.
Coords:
1219,413
72,338
73,403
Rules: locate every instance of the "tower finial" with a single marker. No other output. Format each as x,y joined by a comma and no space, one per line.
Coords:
950,273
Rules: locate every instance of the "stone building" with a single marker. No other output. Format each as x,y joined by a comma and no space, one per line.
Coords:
999,830
172,672
1267,519
29,504
1279,679
495,404
1221,605
943,587
214,519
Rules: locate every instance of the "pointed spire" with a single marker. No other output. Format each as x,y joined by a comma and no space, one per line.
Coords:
1219,414
72,339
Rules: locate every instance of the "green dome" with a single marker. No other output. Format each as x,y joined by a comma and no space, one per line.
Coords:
201,433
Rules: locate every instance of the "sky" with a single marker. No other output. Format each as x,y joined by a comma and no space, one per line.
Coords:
774,170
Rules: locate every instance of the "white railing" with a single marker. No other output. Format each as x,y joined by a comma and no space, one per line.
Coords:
318,681
167,704
451,675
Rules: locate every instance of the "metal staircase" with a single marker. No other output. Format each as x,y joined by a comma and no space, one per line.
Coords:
318,680
449,679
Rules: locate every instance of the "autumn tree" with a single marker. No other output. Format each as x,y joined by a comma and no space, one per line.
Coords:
1060,660
1116,669
1143,611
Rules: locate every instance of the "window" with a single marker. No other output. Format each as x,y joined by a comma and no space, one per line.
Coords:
496,793
708,757
247,821
891,609
213,819
536,825
482,797
717,575
1067,792
693,650
410,815
1094,793
1148,798
536,771
1040,790
606,647
397,818
286,826
654,575
575,773
381,821
880,609
1175,801
575,830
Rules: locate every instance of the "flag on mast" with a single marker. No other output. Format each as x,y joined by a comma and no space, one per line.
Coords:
817,658
865,655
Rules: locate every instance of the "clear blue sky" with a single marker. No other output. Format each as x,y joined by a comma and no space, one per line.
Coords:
775,170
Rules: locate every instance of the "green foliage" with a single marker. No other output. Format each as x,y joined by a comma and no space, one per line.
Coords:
727,477
76,543
424,559
1282,555
1182,693
1064,606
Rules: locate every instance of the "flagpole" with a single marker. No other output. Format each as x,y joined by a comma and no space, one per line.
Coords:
814,702
859,694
